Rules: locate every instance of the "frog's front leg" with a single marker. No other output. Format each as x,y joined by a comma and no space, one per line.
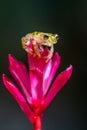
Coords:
36,49
49,56
51,53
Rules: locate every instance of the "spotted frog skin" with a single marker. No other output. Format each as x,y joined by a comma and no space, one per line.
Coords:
39,39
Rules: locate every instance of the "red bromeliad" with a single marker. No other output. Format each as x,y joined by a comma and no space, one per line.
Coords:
36,89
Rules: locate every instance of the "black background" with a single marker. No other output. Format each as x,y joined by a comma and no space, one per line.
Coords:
69,20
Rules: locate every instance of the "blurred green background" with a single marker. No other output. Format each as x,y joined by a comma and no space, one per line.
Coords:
69,20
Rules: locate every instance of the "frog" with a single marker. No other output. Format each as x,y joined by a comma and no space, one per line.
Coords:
39,39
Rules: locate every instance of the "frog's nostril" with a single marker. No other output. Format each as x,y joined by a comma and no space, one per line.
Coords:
57,37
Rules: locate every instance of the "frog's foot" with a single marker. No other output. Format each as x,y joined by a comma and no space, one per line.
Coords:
29,51
37,54
37,51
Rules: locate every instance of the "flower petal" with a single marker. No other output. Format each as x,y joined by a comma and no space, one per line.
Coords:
20,74
59,82
36,63
50,71
37,66
36,79
18,97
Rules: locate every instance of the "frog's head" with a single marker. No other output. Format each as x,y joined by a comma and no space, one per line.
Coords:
47,38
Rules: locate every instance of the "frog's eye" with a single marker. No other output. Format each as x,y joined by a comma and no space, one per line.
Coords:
45,37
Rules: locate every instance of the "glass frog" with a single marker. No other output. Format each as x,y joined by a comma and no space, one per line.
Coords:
39,40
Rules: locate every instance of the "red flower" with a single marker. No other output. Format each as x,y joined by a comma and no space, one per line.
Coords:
35,89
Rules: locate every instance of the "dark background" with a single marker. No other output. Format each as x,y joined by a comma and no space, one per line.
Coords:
69,20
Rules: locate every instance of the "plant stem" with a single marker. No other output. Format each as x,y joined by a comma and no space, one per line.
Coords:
38,123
